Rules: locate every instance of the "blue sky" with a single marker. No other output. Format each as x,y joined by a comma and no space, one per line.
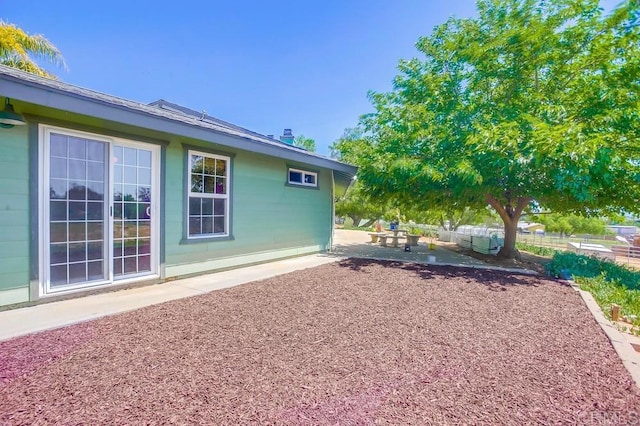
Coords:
305,65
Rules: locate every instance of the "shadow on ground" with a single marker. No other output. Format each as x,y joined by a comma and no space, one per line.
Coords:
357,244
494,279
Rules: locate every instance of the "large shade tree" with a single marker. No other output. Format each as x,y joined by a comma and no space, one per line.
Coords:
21,50
531,103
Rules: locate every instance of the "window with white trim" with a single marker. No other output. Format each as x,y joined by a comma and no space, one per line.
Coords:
208,205
303,177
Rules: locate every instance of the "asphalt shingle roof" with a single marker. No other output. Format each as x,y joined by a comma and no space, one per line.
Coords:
159,109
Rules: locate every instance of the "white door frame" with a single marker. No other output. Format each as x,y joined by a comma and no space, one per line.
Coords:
45,289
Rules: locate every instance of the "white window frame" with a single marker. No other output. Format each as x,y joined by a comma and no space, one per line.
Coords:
303,173
226,196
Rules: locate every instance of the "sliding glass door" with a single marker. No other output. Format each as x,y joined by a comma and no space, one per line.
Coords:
132,194
98,210
77,210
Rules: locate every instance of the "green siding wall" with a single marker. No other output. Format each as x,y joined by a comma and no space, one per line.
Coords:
269,219
267,216
14,209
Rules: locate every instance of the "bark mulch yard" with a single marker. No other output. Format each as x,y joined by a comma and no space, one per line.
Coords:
357,342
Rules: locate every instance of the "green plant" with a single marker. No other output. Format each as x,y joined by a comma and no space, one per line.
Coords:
590,267
607,292
540,251
414,230
608,282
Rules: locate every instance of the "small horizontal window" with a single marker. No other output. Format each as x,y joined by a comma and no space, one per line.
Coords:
304,178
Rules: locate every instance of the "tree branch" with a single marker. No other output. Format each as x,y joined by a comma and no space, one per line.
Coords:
523,202
497,205
507,213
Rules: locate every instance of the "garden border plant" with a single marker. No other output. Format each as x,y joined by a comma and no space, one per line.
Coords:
607,281
539,250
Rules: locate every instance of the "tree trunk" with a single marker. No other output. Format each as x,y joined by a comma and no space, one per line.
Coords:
510,216
369,223
509,250
356,219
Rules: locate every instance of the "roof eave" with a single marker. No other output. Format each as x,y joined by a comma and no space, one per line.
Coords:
130,113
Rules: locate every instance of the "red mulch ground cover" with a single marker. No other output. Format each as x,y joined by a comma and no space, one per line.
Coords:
356,342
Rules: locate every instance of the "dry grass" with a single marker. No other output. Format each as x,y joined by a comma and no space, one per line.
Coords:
357,342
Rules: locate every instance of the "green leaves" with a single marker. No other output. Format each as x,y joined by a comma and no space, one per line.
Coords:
303,142
581,266
18,47
358,205
568,224
533,100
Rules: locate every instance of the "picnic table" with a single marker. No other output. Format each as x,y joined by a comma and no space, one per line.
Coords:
393,240
397,231
375,235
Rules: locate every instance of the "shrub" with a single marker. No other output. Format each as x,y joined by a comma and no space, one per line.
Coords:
606,293
579,265
414,230
540,251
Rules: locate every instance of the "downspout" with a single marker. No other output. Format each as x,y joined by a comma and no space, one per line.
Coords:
333,210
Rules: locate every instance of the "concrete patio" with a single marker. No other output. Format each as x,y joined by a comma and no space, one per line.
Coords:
349,243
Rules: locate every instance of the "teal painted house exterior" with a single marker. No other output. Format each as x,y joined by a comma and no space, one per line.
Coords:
98,193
